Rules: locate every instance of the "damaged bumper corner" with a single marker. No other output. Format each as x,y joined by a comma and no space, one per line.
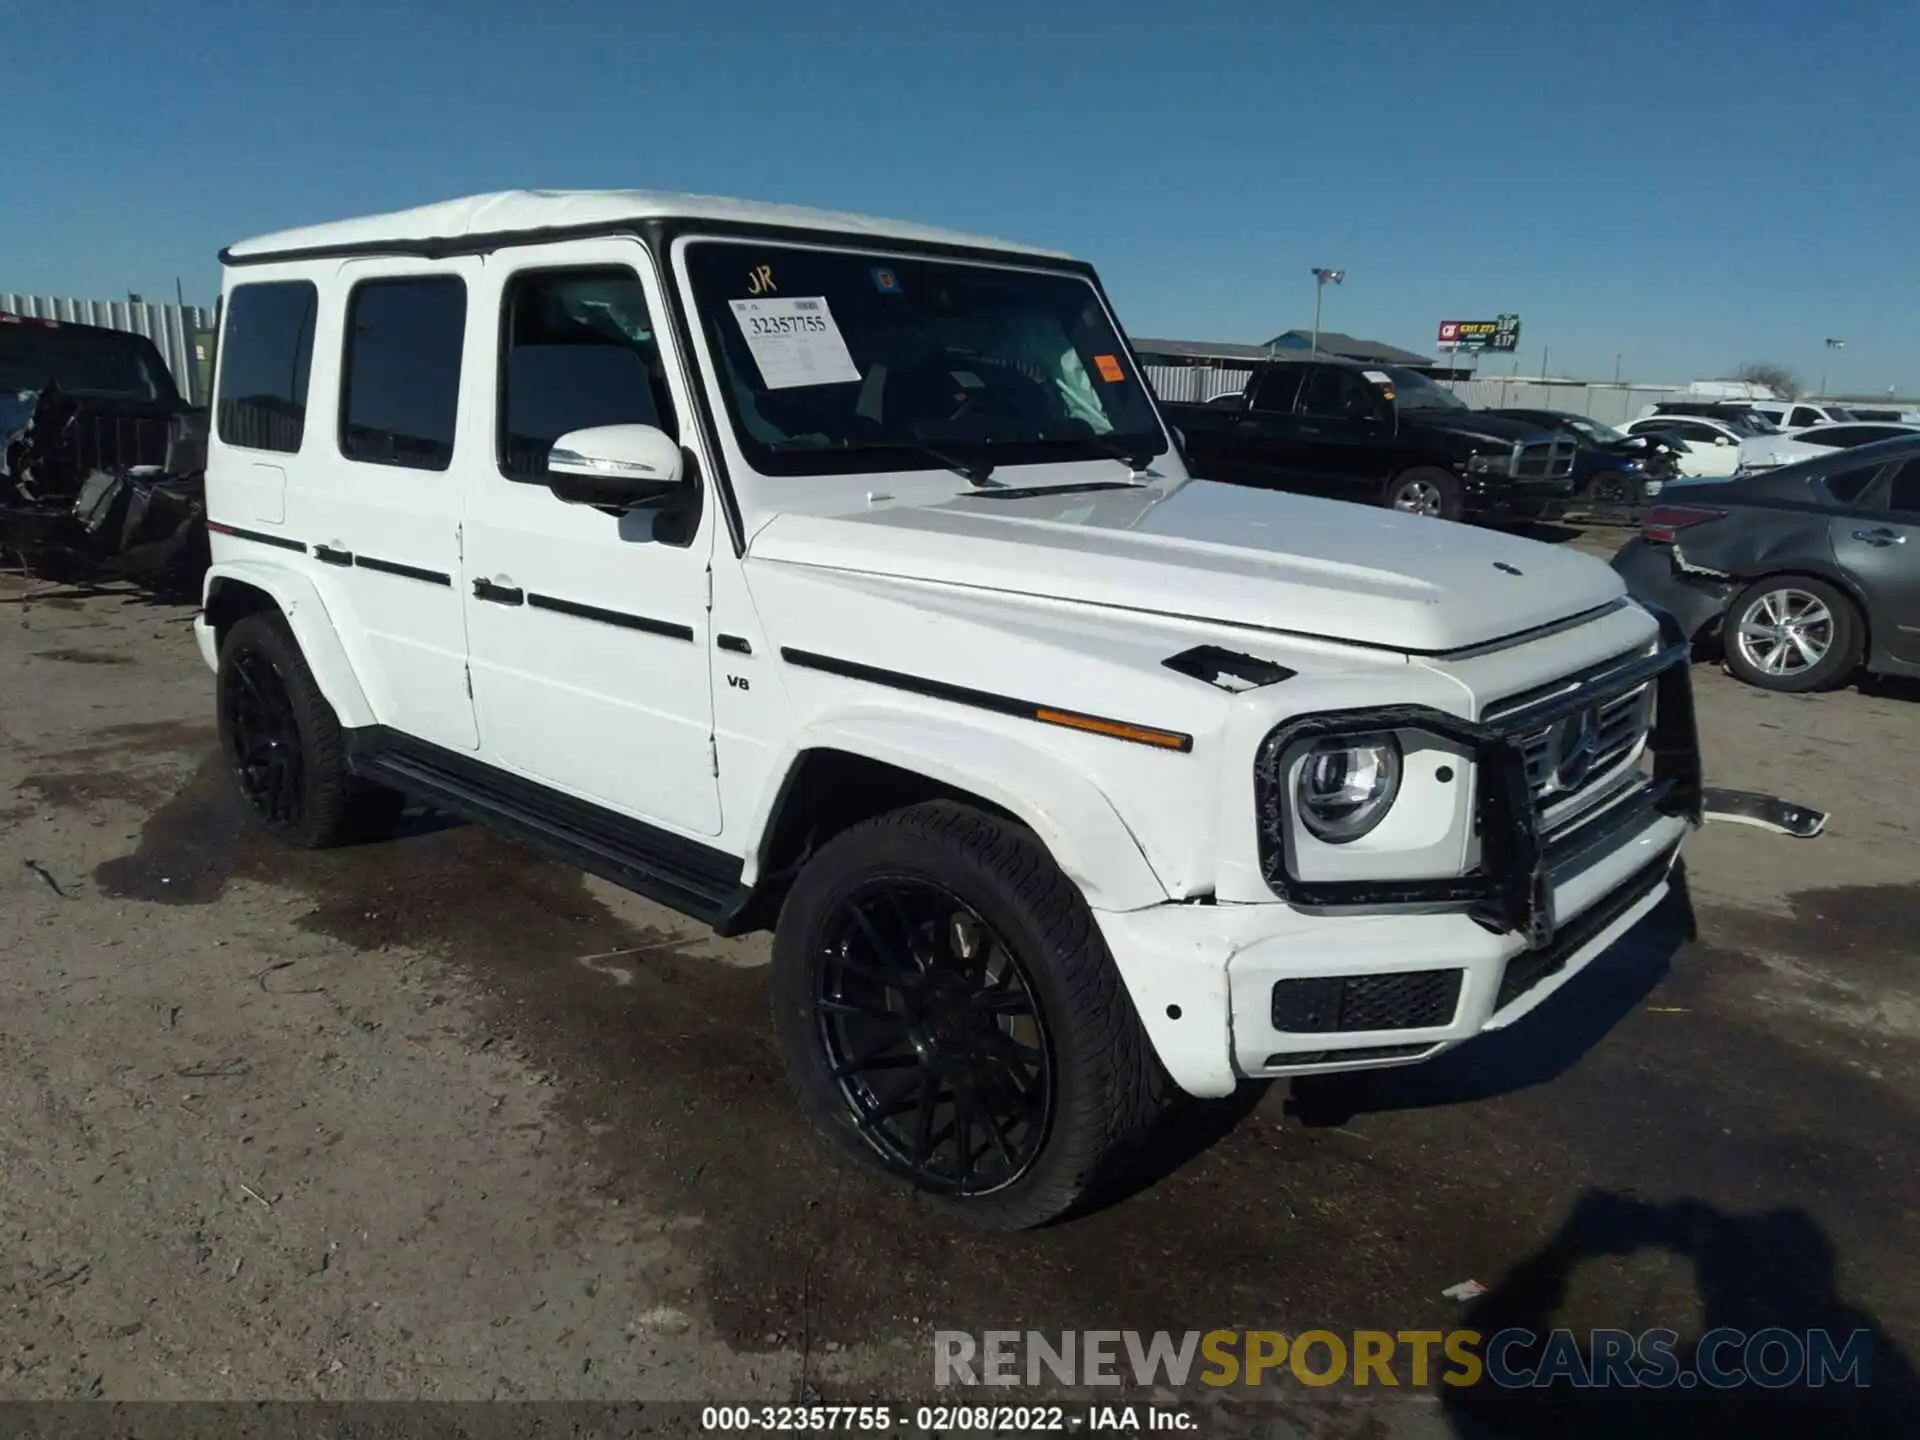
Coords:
68,519
1767,812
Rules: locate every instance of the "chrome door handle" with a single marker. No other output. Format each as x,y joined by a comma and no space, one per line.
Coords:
1880,537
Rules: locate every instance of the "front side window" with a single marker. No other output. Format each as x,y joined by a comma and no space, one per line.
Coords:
1807,415
266,351
1334,393
578,349
400,381
833,361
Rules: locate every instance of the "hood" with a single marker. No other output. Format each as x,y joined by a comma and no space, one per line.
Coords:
1477,425
1220,553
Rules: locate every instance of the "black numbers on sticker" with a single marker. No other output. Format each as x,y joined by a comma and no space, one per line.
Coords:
786,325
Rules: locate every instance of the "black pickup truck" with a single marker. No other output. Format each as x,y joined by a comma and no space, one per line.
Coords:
1377,434
102,462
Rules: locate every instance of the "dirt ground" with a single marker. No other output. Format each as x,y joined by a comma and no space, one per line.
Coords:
440,1119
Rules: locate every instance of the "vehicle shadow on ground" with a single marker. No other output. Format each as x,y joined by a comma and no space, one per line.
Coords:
1540,1048
1772,1270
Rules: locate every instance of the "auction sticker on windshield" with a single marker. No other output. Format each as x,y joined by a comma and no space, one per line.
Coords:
795,342
1379,377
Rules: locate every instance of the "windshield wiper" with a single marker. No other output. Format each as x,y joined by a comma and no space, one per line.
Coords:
975,472
1135,457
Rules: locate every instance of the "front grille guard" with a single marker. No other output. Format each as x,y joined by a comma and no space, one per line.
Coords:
1510,890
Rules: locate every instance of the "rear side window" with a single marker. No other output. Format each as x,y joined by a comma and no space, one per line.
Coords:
1276,390
1903,492
400,381
266,351
1847,486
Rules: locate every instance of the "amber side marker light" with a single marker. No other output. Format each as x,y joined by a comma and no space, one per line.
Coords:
1665,522
1119,730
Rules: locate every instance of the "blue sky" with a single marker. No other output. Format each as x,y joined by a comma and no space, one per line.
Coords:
1683,185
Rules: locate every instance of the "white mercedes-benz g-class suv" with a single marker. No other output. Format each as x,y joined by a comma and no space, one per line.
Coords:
816,573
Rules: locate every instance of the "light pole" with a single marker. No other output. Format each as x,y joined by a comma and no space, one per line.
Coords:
1832,345
1322,277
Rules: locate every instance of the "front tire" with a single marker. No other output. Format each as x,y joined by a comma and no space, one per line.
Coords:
285,745
950,1013
1792,634
1425,490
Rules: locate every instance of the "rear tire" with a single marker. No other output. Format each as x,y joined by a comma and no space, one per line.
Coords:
1425,490
1792,634
285,744
950,1014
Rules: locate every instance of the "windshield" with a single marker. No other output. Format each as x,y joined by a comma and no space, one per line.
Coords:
834,360
1414,391
1592,429
33,357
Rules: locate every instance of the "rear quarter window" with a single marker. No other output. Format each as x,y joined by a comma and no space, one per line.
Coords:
266,352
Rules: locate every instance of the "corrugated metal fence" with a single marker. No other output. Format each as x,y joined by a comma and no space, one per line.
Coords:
174,329
1609,404
1194,384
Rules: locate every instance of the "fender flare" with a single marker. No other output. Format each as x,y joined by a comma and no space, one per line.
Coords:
305,610
1072,816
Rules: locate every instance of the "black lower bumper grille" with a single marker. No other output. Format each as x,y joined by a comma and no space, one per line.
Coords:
1529,968
1322,1004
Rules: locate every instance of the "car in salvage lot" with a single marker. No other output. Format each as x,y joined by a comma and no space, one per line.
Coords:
1792,445
1801,575
840,577
1381,436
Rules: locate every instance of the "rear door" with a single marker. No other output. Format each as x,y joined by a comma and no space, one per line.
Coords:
1343,442
1263,447
1879,546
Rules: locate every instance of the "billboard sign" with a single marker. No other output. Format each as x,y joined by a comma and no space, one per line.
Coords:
1502,334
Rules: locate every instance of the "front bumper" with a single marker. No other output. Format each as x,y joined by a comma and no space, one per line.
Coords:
1362,974
1534,499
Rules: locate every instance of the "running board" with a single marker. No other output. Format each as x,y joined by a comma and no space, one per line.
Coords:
1768,812
684,875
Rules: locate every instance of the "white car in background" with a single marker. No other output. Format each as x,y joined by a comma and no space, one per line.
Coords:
1709,449
1805,444
1801,414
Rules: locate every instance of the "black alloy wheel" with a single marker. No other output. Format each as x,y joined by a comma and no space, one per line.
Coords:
268,758
930,1029
286,746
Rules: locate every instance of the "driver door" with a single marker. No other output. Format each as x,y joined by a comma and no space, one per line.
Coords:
588,636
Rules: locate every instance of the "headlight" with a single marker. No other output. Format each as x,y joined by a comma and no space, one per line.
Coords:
1347,785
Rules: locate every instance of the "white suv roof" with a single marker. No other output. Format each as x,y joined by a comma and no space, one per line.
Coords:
510,212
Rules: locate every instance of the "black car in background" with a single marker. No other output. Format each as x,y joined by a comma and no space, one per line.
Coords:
1611,470
1802,574
1381,435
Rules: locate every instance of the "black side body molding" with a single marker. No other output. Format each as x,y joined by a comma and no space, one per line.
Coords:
978,699
279,542
405,572
695,879
621,618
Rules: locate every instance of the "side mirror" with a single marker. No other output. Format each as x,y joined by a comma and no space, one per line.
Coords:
616,466
1179,438
1722,441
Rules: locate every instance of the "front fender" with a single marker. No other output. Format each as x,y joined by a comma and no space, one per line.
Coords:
301,603
1073,818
